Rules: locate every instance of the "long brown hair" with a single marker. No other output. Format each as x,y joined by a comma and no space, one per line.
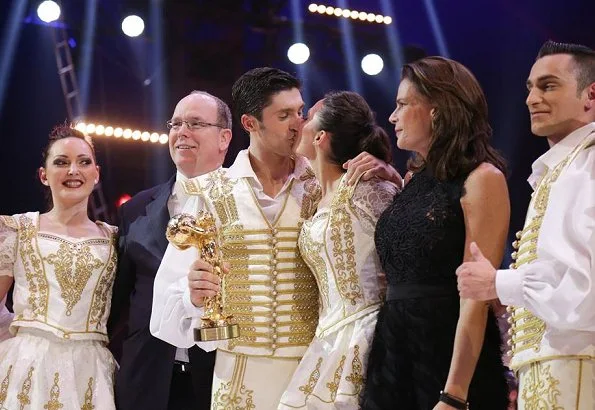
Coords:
460,128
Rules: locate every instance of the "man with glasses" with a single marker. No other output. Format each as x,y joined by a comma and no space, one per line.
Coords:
259,203
154,374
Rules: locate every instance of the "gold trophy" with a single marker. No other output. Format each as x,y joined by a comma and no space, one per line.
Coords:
184,231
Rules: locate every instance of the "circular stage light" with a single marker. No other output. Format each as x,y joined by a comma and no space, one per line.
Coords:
133,26
372,64
298,53
48,11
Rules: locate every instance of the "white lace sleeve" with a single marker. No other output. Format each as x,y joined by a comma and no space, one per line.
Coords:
8,244
370,199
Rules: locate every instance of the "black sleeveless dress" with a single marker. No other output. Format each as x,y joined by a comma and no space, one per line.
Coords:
420,239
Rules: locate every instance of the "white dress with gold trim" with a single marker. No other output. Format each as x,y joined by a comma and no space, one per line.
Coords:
338,246
57,359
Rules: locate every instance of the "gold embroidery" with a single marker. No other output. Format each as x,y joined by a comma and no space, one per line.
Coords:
103,290
308,388
233,395
346,275
312,194
219,187
526,329
540,389
356,377
73,281
334,385
310,251
54,402
23,396
34,270
4,387
88,405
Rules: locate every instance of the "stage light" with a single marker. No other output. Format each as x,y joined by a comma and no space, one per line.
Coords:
145,136
154,137
163,138
346,13
136,135
109,131
118,132
81,126
90,128
133,26
372,64
298,53
127,133
48,11
99,130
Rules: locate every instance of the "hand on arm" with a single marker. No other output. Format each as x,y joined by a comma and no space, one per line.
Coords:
486,210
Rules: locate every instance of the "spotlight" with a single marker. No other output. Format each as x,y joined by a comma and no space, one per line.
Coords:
372,64
136,135
312,7
145,136
330,10
133,26
154,137
321,9
109,131
48,11
338,12
99,130
118,132
127,133
90,128
371,17
298,53
388,19
163,138
346,13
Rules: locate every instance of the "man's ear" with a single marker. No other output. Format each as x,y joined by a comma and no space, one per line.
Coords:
225,136
249,123
590,103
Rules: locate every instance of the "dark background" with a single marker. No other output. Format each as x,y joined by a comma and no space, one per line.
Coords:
207,44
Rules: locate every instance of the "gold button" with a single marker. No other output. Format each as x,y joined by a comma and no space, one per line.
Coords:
273,346
274,293
274,282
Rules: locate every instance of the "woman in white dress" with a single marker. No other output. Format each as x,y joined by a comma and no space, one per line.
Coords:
62,265
338,246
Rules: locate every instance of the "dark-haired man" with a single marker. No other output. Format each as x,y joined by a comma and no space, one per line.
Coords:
550,287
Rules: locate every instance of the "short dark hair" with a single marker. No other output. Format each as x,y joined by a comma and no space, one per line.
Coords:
583,57
460,139
223,111
347,117
254,90
60,132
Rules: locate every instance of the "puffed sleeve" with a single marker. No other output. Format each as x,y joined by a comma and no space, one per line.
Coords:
370,199
8,244
559,286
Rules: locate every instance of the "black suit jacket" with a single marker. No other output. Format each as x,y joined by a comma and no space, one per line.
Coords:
146,363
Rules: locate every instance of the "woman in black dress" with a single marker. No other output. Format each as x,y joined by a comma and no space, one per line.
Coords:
433,350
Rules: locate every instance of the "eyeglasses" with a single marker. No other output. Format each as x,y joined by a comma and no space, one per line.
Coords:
191,124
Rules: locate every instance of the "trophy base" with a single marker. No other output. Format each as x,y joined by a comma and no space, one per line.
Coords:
210,334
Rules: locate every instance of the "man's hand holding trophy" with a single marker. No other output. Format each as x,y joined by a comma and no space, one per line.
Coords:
185,231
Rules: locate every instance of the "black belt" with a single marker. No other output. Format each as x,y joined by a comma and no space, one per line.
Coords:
413,291
181,367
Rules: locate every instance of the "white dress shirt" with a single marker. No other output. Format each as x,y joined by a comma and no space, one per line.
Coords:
558,286
175,205
174,316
